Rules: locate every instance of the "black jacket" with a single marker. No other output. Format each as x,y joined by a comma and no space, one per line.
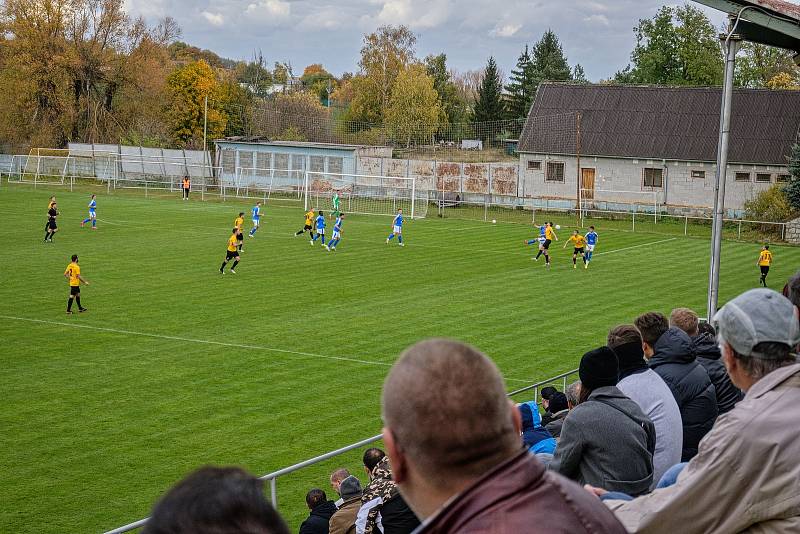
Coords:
318,519
674,361
708,355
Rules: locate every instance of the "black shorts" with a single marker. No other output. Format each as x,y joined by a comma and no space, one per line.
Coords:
546,244
307,227
578,250
240,237
764,269
231,254
74,290
51,224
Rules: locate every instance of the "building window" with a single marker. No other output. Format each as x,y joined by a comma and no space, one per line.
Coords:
653,177
555,171
782,178
316,163
245,159
763,178
335,165
699,174
534,165
228,161
742,176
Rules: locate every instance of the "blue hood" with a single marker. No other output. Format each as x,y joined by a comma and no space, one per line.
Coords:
534,435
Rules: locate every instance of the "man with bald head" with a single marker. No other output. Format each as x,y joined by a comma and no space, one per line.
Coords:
452,437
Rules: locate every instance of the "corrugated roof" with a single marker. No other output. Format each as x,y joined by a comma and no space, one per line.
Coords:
652,122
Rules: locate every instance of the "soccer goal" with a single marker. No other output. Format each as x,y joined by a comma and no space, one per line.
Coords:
367,194
49,167
270,184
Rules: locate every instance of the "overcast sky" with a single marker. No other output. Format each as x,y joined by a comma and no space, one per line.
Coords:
598,34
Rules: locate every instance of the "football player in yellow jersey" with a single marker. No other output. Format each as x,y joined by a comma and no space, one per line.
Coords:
239,223
549,237
73,274
232,252
579,242
308,225
764,261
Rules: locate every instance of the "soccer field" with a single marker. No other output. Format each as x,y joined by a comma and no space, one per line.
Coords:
175,366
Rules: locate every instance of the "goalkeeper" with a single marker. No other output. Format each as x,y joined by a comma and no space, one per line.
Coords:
335,200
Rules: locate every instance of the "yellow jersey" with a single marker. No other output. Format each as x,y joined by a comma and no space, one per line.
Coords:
548,233
238,222
579,240
74,272
309,217
233,243
765,258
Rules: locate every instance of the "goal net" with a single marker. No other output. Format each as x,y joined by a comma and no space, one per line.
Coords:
367,194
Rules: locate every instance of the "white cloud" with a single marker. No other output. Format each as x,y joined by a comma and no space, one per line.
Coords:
215,19
416,14
507,30
269,10
597,19
325,19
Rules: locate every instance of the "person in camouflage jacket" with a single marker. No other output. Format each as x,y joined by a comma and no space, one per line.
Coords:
383,509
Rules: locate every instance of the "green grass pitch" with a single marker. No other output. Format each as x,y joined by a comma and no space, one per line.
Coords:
175,366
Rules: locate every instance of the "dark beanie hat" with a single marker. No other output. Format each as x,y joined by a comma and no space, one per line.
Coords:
630,356
547,392
558,402
599,367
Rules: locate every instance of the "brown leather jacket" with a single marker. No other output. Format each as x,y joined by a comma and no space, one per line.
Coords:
520,496
344,520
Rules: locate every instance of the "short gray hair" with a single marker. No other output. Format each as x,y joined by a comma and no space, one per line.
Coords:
573,393
765,358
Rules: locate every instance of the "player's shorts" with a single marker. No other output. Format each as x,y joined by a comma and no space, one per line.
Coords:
240,236
764,269
397,229
578,250
541,240
546,244
256,222
307,227
230,254
321,231
74,290
336,235
51,224
92,214
590,248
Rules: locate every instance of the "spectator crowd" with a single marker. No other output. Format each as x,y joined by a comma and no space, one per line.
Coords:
675,425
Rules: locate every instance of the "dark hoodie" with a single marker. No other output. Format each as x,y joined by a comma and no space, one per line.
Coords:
318,519
708,355
535,437
675,362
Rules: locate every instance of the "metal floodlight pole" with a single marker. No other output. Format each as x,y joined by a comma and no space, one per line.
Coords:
205,134
731,47
578,165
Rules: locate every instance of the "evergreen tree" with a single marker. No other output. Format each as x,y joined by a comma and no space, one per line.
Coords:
489,105
521,87
578,74
549,63
792,189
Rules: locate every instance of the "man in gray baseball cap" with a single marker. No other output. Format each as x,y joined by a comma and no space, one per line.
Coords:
745,474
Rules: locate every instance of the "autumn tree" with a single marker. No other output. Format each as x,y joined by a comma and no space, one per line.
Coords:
188,87
757,65
489,103
454,106
318,80
415,111
384,54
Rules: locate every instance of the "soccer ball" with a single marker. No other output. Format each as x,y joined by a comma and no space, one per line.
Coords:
558,227
494,221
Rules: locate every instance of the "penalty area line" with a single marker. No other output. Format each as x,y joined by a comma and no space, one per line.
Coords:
635,246
193,340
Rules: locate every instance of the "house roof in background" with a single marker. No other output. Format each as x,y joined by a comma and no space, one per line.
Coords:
655,122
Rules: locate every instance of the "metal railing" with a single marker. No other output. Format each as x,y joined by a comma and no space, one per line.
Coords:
273,477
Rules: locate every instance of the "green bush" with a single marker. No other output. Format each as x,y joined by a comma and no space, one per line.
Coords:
769,205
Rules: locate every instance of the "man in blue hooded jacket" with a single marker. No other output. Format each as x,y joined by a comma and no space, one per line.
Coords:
535,437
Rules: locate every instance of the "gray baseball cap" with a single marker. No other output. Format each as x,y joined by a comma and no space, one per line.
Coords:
757,316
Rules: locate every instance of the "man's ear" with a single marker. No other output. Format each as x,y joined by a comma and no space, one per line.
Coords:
396,457
516,417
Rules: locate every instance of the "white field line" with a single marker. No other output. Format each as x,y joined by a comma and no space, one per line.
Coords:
635,246
210,342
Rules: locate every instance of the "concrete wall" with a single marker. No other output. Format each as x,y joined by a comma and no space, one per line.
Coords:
793,231
681,192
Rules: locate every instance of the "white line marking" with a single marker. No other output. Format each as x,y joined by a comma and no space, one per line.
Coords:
192,340
218,343
636,246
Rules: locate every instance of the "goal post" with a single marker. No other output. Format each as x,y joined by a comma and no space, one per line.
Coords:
366,194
